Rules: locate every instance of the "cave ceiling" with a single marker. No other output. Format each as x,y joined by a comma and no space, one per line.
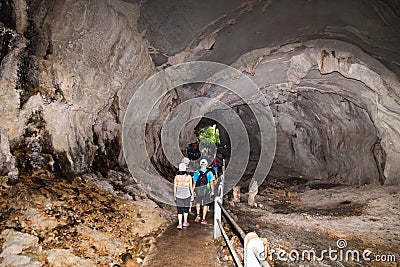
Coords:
228,29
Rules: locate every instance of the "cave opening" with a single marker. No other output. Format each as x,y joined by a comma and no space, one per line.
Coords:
207,128
209,134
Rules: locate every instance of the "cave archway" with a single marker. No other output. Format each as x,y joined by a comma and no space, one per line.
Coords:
335,53
332,123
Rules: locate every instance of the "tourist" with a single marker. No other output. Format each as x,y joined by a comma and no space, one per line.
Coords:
187,163
203,182
183,193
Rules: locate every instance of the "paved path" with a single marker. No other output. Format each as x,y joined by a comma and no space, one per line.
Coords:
191,246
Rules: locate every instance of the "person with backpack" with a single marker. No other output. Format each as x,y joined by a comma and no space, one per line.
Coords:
183,193
203,183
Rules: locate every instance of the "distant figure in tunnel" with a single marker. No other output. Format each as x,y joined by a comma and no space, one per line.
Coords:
203,182
183,193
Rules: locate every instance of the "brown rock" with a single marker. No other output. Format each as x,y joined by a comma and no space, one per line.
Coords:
132,263
236,194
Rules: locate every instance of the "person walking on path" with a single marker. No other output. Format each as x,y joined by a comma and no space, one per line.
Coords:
183,193
187,163
203,182
189,169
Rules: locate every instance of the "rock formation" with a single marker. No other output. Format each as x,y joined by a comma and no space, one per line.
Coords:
73,66
329,69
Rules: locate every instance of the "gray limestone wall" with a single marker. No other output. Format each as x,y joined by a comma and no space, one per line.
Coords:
69,68
329,70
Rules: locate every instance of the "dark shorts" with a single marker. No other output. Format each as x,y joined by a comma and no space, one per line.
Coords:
203,200
182,202
182,205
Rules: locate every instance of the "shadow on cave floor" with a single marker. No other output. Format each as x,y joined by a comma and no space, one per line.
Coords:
290,186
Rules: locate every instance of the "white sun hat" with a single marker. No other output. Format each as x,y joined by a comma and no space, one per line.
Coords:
182,167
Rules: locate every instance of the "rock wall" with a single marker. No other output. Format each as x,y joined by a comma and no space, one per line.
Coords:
73,66
336,112
69,68
353,72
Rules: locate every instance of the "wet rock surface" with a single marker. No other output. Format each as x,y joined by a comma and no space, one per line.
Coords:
58,223
298,214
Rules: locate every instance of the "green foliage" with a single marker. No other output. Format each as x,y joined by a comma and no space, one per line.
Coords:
209,134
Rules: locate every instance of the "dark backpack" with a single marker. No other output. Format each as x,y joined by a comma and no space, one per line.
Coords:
201,184
193,151
202,180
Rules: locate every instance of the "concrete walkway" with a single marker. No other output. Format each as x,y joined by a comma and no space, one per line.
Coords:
191,246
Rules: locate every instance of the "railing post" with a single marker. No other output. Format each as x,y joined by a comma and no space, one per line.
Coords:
219,196
254,251
217,217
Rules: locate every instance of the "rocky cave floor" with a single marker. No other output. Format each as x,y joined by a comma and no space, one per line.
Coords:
93,222
298,214
80,223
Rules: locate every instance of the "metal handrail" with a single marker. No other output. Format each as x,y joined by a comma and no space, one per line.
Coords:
230,246
254,249
232,221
